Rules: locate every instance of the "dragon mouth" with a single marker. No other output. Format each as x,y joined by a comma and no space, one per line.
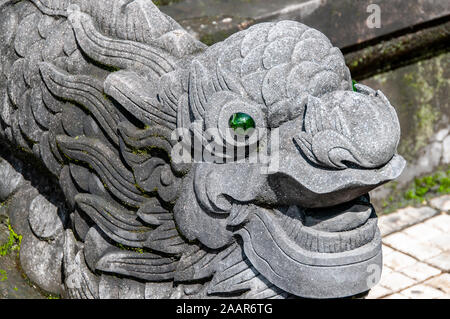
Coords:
315,253
334,229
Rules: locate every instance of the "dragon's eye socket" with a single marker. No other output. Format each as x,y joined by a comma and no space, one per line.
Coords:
241,122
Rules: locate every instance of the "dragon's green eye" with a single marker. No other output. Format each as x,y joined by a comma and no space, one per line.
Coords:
353,85
241,122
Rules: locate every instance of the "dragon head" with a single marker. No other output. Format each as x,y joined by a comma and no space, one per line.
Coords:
277,205
308,217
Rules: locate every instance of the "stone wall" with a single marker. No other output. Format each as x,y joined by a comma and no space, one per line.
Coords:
214,20
419,92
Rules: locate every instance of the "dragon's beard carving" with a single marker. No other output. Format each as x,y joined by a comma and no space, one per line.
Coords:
99,110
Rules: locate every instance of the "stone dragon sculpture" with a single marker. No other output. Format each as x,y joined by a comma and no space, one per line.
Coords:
94,89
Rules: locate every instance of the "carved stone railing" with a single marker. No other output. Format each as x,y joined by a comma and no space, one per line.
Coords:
98,92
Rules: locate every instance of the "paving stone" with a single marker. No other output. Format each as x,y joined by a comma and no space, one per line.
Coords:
384,274
417,215
441,282
410,246
420,271
422,292
441,261
425,233
377,292
396,296
440,241
386,270
396,281
441,203
422,232
397,260
386,228
404,218
441,222
391,223
386,250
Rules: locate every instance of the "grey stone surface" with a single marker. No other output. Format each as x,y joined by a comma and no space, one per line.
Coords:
12,180
99,117
44,219
12,284
42,248
42,261
18,209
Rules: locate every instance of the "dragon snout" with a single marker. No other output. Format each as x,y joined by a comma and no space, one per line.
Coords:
331,149
349,129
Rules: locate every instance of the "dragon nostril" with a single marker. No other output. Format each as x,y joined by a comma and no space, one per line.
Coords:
349,164
329,148
341,157
303,141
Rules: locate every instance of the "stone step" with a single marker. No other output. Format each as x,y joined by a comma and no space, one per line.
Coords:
216,20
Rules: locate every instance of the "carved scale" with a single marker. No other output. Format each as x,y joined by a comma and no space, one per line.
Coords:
94,89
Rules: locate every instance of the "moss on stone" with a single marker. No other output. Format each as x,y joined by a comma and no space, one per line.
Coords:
128,248
3,275
419,94
418,192
438,183
13,243
160,3
398,51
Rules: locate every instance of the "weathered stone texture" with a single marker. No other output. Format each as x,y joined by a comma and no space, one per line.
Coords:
92,92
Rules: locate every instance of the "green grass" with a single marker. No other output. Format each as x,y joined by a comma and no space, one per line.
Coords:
438,183
419,191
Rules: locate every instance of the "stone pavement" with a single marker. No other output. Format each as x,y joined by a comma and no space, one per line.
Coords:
416,253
